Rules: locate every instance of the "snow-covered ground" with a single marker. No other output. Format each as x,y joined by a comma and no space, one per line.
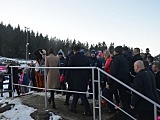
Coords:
18,110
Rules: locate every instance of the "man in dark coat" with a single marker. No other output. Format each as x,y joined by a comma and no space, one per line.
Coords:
67,74
32,76
80,79
94,62
62,64
15,78
152,77
136,56
143,84
156,70
120,70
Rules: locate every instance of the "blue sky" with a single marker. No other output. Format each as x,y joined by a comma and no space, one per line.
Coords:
135,23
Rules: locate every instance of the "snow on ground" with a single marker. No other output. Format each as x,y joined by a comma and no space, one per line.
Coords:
19,111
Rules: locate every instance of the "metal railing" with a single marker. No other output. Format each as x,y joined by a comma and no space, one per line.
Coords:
93,82
138,93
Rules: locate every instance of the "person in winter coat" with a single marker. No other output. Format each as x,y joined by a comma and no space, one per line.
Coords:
108,93
94,62
80,79
143,83
68,79
32,76
26,81
136,56
62,64
40,62
156,71
53,75
15,78
120,70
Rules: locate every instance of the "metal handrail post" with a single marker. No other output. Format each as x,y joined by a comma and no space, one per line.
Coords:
94,112
12,82
155,112
99,92
45,84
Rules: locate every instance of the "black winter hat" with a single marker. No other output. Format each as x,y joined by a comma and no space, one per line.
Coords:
93,52
118,49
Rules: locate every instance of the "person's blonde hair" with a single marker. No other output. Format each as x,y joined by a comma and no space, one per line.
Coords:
106,54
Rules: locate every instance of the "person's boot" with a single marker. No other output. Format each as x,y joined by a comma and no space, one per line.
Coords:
52,98
49,100
67,99
54,106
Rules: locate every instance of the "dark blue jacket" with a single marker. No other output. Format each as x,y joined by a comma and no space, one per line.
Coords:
79,77
25,79
119,69
62,64
94,62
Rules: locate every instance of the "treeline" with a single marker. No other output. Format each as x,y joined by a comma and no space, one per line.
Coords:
13,42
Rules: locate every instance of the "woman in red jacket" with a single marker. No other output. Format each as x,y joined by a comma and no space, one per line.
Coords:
108,58
107,92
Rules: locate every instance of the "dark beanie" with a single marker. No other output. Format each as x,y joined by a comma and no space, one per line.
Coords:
93,52
118,49
60,53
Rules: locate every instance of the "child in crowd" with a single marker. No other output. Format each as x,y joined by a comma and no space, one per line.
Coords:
2,78
25,81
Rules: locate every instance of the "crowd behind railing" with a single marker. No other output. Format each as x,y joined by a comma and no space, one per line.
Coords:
133,68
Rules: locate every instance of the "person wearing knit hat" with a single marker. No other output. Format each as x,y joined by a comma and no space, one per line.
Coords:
82,51
94,62
93,52
60,53
62,64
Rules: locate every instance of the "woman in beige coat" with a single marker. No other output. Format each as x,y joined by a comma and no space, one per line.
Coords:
53,75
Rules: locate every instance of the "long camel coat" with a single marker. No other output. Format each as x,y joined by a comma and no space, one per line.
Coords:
53,75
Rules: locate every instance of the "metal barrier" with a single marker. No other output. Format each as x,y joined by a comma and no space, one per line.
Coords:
6,83
93,81
138,93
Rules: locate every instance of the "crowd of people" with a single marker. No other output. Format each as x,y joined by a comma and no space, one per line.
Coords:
135,69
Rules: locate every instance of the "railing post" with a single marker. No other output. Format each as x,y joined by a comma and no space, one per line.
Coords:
12,82
45,88
155,112
94,112
99,94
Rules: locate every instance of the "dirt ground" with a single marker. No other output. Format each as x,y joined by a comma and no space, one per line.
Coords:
37,101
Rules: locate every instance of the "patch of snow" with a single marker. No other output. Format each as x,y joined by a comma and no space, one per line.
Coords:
54,117
18,112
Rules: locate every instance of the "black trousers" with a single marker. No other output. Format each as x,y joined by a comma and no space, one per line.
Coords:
108,93
84,100
95,88
146,115
125,98
69,94
14,87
